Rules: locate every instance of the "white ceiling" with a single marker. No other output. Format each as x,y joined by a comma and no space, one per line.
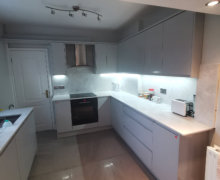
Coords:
191,5
115,13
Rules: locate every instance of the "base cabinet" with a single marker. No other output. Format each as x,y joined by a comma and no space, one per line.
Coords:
26,145
9,163
168,155
104,114
63,116
117,116
16,160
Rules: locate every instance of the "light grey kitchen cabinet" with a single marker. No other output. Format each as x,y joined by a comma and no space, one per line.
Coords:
144,153
104,113
171,48
17,158
58,58
165,153
154,50
63,116
131,55
9,163
139,126
106,58
117,116
26,144
182,46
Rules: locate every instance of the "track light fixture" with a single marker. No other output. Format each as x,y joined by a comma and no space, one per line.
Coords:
75,9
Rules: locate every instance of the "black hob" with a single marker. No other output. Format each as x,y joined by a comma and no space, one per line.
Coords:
82,95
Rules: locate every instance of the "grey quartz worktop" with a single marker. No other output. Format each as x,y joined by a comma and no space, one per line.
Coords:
6,134
159,113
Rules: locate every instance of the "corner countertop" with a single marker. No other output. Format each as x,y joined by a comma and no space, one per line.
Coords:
6,134
159,113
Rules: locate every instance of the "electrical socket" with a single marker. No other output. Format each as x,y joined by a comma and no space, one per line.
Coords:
163,91
59,87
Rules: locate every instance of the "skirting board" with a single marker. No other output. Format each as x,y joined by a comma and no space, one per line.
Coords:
83,131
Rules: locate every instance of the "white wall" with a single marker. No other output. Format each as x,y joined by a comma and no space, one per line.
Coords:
6,96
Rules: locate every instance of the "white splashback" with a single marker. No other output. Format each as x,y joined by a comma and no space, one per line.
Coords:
177,87
81,79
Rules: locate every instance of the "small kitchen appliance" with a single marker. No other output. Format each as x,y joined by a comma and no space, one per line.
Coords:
182,107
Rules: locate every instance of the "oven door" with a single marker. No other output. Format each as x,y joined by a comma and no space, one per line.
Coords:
84,111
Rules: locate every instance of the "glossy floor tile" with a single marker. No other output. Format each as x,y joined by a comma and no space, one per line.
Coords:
94,156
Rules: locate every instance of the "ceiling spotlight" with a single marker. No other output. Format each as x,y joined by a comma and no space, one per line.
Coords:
70,14
98,18
212,3
84,14
52,11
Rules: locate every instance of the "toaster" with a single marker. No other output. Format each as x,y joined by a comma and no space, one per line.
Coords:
182,107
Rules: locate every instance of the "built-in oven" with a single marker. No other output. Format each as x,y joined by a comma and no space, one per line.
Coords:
84,110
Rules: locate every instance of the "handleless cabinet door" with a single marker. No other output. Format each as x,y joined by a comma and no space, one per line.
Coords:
58,58
9,163
165,153
26,144
131,55
104,111
117,116
106,58
154,50
178,37
63,116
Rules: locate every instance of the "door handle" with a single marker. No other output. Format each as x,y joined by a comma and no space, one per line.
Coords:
47,93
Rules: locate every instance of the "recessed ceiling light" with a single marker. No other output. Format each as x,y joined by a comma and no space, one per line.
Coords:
212,3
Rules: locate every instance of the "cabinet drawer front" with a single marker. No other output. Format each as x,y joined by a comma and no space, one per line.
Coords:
144,154
144,121
140,132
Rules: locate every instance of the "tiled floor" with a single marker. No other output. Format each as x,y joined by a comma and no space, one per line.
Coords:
95,156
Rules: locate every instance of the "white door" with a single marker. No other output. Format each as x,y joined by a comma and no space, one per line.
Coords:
31,83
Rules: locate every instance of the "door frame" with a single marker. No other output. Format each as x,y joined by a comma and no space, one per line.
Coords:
12,79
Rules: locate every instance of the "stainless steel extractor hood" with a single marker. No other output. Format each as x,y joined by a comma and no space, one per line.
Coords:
80,55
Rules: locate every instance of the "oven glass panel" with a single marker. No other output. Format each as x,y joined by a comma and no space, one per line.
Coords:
84,111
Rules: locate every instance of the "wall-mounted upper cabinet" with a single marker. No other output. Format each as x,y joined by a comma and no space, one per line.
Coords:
131,54
172,48
58,58
154,50
182,45
106,58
